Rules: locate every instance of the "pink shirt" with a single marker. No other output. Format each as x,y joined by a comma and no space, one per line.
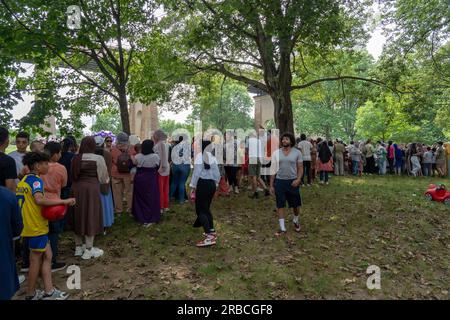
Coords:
54,180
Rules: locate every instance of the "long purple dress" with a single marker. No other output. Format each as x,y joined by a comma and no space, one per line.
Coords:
146,208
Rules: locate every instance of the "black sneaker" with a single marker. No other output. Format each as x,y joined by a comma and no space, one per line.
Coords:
57,266
297,227
266,192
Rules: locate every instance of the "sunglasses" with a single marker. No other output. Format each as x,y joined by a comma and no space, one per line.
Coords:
108,140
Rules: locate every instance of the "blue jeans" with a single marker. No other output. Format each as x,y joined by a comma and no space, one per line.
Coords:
355,167
324,176
180,174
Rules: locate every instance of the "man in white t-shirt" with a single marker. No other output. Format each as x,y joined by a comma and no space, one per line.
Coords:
22,142
254,165
305,148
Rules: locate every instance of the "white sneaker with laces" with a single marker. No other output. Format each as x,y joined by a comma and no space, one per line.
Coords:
56,295
38,295
80,250
92,253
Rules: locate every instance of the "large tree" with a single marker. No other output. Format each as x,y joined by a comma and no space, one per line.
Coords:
260,42
105,42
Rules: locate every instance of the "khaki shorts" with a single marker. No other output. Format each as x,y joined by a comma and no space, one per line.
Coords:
254,169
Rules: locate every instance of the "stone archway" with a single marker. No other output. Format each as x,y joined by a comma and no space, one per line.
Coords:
143,119
264,110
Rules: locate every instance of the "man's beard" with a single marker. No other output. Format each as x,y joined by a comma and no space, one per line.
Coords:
286,145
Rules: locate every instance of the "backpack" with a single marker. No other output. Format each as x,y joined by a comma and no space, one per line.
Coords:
123,162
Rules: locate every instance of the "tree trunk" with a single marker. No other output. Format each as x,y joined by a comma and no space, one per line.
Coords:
283,116
124,115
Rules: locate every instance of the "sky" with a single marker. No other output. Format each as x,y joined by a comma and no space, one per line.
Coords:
374,47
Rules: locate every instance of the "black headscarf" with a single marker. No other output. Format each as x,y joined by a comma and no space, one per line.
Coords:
147,147
324,152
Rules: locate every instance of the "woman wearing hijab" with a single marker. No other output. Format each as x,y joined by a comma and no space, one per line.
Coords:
204,182
88,172
325,161
146,198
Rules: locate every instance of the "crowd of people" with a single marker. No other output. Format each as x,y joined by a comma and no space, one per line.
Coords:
104,178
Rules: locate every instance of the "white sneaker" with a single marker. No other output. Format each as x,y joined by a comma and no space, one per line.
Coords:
21,279
92,253
80,250
55,295
147,225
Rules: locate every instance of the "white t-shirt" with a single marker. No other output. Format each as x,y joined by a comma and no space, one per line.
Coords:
254,148
305,147
18,157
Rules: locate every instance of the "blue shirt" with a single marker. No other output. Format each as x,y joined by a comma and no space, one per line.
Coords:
212,173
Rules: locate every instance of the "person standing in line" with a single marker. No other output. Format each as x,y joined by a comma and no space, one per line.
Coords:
31,198
355,154
11,226
313,160
108,143
368,152
231,161
339,156
121,177
287,170
181,166
381,158
161,148
440,159
428,162
415,160
22,142
398,159
447,151
254,167
105,189
391,157
325,161
89,171
204,182
54,181
305,148
8,171
146,207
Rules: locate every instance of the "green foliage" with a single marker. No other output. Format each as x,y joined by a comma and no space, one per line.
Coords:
222,104
170,126
108,119
329,109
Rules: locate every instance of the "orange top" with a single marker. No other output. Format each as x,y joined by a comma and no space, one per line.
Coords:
54,180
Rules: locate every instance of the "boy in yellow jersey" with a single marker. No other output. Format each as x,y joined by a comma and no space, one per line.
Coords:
30,196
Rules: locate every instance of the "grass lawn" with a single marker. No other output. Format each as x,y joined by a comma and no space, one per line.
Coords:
346,226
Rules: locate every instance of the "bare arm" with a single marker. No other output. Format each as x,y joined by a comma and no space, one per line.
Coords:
11,185
41,201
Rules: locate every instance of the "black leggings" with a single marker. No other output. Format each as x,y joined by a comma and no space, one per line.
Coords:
203,197
231,173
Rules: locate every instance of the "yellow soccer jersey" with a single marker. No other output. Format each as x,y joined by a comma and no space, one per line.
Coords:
34,224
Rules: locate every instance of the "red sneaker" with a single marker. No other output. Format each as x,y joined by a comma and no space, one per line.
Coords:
208,241
280,232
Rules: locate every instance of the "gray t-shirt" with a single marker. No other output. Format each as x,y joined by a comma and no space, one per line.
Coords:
428,157
284,166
